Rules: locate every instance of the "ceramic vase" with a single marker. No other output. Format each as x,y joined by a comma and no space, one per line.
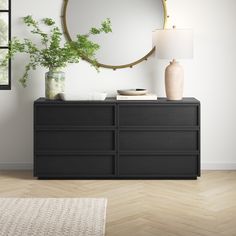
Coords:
174,81
54,83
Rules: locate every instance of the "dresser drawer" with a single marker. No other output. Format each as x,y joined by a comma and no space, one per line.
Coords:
158,140
75,115
158,115
75,140
158,165
62,165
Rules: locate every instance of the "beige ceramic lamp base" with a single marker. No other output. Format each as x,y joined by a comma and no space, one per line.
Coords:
174,81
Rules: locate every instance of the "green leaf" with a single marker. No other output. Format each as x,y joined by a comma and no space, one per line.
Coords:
48,21
52,52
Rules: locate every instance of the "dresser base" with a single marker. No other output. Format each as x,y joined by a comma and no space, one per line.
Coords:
120,178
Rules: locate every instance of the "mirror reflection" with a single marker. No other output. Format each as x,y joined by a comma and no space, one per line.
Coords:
132,23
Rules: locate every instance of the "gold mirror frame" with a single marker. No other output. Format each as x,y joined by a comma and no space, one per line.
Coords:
130,65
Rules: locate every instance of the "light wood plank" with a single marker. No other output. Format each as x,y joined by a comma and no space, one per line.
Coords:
205,207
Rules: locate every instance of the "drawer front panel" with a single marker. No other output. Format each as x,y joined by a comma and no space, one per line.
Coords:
74,165
158,115
158,165
75,115
158,140
75,140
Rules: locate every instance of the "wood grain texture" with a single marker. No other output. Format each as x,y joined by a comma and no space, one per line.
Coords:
205,207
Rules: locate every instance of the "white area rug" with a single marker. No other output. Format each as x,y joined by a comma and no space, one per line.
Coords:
52,216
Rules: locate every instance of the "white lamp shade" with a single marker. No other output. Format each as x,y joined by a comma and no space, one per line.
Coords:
173,43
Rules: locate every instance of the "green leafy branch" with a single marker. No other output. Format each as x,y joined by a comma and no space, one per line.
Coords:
53,53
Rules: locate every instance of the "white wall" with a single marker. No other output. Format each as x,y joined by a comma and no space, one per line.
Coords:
210,77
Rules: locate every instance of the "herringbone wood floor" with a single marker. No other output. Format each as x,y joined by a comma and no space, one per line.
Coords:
206,206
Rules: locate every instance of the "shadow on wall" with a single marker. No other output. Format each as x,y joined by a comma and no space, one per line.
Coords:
16,119
157,77
23,175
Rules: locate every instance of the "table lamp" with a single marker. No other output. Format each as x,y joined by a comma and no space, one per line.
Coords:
174,44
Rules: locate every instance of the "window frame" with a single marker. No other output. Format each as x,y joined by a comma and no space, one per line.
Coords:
7,86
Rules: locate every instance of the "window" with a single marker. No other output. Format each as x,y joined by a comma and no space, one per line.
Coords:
5,36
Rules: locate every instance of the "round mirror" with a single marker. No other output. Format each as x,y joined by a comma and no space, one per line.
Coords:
132,24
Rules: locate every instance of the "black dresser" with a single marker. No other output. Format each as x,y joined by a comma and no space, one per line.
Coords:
117,139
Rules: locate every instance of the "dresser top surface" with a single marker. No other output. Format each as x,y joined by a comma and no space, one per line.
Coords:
186,100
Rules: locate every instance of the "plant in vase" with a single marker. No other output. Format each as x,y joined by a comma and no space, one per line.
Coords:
53,54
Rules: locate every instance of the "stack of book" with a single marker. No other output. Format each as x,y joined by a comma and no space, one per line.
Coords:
136,97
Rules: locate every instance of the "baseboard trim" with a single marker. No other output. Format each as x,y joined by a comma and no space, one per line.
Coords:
218,166
204,166
16,166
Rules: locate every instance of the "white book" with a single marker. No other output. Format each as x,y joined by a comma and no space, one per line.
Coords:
137,97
